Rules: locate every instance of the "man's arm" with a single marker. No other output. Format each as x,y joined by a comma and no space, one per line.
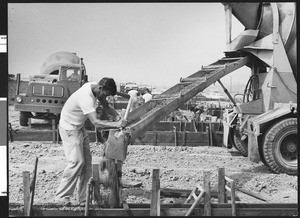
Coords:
102,123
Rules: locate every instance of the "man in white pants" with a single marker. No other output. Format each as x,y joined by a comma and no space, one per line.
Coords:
81,105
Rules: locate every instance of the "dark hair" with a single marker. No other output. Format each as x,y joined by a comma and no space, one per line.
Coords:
109,85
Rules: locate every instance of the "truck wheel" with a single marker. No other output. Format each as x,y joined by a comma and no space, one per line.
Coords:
241,146
280,147
24,116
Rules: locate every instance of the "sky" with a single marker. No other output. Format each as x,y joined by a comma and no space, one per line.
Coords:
152,44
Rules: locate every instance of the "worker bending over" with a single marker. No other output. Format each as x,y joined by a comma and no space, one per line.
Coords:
81,105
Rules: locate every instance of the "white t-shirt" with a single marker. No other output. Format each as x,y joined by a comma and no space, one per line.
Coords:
147,96
76,108
133,93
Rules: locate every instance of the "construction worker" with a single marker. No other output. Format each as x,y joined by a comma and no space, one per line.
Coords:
147,96
81,105
74,76
136,97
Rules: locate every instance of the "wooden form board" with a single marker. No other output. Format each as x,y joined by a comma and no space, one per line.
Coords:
168,139
242,209
185,193
149,138
201,126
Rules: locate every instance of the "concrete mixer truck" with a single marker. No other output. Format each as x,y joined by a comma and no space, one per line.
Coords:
62,73
264,126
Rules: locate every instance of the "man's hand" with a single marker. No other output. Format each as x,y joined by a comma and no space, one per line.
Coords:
122,123
104,124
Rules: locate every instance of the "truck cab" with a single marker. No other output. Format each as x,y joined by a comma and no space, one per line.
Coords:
61,75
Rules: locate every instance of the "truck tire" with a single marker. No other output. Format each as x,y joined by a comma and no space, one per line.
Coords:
280,147
24,116
241,146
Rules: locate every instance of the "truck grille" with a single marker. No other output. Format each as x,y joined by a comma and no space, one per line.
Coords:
51,91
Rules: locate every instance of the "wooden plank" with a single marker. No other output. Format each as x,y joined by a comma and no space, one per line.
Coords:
26,191
129,184
255,195
166,192
155,194
53,206
224,210
192,138
31,135
196,199
207,196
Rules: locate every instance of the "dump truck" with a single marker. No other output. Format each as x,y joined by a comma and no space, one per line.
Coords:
264,126
61,74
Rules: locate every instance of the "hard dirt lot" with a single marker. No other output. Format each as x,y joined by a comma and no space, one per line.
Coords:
180,168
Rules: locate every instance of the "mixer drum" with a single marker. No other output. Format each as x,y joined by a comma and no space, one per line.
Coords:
54,61
259,16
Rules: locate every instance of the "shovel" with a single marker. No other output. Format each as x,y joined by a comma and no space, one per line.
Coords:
116,144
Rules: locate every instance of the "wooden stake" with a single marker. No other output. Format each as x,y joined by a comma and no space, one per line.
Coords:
210,135
96,178
53,131
194,128
175,135
87,201
32,188
155,135
57,135
207,196
155,194
114,169
222,197
26,191
29,123
232,187
184,135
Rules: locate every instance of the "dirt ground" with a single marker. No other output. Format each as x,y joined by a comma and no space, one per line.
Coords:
180,168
